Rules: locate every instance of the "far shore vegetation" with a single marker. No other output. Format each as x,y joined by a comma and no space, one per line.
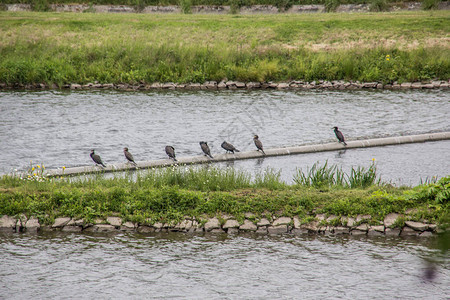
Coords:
65,48
235,5
168,195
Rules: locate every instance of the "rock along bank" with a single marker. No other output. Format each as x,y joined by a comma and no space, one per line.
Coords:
394,224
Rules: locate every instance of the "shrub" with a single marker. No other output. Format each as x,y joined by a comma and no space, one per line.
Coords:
430,4
139,5
332,5
40,5
90,9
379,5
235,6
284,5
185,6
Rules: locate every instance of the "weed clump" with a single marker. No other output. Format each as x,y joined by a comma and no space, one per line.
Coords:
332,176
331,5
186,6
430,4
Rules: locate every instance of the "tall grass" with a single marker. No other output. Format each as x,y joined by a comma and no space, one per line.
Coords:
202,179
320,176
332,176
362,177
186,64
270,179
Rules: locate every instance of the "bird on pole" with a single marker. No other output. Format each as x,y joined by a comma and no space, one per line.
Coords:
96,158
339,136
205,149
229,147
170,151
128,156
258,143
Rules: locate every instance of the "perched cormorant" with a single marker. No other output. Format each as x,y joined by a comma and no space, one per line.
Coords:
339,136
96,158
205,149
171,152
128,156
258,144
229,147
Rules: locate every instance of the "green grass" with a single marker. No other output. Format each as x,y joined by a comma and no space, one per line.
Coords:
168,195
63,48
202,179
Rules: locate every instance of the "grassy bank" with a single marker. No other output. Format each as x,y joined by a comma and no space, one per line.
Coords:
63,48
167,195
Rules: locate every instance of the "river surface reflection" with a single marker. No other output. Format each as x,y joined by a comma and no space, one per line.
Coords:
161,266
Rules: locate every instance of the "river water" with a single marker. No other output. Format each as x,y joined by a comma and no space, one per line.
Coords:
58,128
182,266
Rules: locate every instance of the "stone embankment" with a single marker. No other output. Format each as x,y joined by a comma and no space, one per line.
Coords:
393,225
219,9
238,85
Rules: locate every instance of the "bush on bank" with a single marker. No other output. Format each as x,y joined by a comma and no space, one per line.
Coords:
169,195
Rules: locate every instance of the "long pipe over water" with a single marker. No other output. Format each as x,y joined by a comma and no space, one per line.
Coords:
419,138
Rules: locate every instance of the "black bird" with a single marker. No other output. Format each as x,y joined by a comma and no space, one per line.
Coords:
128,156
258,144
339,136
205,149
171,152
229,147
96,158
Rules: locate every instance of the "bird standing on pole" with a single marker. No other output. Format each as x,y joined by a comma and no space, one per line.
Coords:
128,156
205,149
258,143
170,151
339,136
96,158
230,148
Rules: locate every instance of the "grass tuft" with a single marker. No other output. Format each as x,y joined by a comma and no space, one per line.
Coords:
331,176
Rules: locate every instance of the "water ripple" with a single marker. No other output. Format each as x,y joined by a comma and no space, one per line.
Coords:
192,267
